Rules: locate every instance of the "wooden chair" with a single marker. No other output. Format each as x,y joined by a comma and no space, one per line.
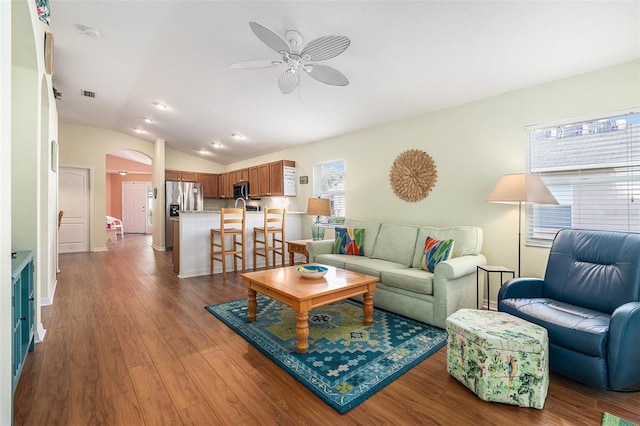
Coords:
232,223
273,238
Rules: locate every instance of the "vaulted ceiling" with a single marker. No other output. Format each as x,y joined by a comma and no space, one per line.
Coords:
405,59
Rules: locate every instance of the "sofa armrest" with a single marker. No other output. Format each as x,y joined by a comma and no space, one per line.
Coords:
459,266
521,287
623,357
454,286
315,248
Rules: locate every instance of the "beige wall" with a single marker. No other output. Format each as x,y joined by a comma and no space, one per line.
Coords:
6,319
176,160
87,147
82,146
473,145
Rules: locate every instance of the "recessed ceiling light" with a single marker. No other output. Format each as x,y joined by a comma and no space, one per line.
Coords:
139,130
159,105
148,120
237,136
216,145
91,32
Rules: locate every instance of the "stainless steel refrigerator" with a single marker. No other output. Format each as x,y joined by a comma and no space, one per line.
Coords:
180,196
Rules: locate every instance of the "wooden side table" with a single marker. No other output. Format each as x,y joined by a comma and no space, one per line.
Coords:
297,246
489,269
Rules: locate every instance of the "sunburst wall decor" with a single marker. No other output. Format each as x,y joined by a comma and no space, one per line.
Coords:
413,175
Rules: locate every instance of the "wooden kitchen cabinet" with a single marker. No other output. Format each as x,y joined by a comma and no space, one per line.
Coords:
277,178
189,176
210,184
226,189
263,180
180,176
172,175
253,181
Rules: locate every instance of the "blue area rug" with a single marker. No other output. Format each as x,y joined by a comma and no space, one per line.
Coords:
347,362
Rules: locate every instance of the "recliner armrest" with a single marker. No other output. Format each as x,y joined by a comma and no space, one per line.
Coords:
522,288
623,357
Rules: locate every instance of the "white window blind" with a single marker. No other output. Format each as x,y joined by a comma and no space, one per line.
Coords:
329,182
592,167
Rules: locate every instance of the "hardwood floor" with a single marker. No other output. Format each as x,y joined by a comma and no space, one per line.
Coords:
129,343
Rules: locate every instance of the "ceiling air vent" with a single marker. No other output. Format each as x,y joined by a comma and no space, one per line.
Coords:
87,94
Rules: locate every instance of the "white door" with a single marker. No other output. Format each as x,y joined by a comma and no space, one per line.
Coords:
134,207
73,201
149,208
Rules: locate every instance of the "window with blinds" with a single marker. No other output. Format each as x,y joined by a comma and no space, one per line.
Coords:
329,182
593,169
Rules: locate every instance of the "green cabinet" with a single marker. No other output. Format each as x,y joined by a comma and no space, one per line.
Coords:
22,311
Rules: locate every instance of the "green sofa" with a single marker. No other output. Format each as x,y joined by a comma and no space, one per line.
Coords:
393,251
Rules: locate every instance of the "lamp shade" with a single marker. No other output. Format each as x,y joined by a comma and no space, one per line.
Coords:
521,188
319,207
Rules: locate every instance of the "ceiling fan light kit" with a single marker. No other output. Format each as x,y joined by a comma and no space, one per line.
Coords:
296,59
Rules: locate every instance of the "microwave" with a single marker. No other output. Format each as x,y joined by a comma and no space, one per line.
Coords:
241,190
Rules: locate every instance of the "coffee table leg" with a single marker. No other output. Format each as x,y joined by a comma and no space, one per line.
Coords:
302,331
367,308
252,304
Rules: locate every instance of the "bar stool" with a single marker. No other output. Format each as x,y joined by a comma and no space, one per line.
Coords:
273,238
230,219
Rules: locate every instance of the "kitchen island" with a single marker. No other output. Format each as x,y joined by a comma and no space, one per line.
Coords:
194,233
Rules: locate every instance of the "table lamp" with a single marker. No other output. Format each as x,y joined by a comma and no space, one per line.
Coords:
521,188
318,207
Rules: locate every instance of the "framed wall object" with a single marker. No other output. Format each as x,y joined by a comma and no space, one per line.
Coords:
413,175
304,180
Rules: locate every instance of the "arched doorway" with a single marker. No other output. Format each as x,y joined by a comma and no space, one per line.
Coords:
129,193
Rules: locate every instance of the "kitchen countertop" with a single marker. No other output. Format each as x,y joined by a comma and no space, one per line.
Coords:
218,211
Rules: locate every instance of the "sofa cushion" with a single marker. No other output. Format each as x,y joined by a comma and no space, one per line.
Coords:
410,279
349,241
573,327
371,230
467,241
435,251
336,260
373,267
396,243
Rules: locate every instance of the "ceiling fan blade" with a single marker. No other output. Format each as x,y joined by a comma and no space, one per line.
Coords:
270,38
254,64
326,47
288,81
328,75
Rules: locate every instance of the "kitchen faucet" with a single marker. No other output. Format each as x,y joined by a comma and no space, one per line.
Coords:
243,202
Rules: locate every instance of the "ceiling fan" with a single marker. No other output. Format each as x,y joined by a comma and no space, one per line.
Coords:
297,58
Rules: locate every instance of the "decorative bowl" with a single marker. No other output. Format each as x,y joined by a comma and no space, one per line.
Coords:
312,271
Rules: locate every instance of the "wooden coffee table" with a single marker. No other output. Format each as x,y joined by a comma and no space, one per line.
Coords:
287,286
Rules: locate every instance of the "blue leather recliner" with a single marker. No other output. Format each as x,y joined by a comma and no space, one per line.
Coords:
589,302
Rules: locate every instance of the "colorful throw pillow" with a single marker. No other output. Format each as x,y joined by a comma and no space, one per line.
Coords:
349,241
435,251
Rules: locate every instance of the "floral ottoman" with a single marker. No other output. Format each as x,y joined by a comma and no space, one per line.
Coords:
499,357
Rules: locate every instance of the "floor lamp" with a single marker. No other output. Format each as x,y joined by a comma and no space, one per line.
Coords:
521,188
